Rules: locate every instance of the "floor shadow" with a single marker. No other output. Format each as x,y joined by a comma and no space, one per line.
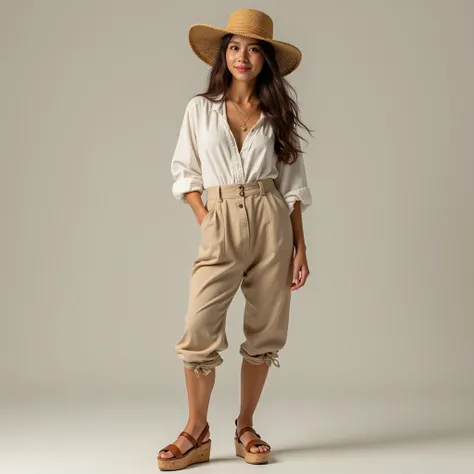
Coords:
382,440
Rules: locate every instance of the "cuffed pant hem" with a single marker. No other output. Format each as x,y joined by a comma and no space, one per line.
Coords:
268,358
203,368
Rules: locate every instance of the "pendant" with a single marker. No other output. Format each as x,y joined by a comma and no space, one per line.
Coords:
243,128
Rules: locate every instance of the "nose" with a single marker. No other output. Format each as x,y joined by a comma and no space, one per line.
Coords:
243,55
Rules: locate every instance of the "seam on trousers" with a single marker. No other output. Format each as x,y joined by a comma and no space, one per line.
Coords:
266,204
223,220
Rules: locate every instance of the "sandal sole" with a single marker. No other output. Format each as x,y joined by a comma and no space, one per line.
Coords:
193,456
250,458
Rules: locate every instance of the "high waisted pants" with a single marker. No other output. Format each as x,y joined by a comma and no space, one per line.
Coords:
246,242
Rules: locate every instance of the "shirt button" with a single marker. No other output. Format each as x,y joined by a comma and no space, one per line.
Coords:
241,205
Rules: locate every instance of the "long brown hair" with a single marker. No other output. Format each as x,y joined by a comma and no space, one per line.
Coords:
272,90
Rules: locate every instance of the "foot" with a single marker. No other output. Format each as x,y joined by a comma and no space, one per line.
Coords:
183,443
249,436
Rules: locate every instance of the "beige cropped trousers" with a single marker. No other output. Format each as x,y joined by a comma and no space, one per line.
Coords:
247,242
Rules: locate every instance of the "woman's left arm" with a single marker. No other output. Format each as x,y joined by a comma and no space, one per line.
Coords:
293,186
300,262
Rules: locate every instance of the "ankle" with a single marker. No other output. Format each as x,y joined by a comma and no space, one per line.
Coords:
244,420
196,424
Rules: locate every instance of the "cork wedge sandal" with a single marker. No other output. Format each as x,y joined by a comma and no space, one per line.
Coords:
244,451
200,452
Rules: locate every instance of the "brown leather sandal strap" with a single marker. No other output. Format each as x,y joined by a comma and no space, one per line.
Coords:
255,442
192,439
203,434
174,449
188,437
244,430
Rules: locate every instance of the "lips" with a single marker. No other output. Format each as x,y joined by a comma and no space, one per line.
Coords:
242,69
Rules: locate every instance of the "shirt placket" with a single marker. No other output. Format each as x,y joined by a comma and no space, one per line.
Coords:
237,165
240,175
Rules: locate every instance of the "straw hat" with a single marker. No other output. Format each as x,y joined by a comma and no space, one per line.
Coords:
204,39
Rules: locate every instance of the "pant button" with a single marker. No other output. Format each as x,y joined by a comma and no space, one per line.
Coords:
241,205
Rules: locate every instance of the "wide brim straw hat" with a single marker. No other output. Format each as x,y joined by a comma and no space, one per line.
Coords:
204,39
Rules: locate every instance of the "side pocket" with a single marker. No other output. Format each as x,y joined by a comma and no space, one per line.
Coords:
282,214
210,206
210,244
278,195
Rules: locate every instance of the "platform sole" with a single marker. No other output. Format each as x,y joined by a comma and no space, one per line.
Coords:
250,458
193,456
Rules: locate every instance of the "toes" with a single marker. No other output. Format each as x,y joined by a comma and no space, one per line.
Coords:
167,455
259,449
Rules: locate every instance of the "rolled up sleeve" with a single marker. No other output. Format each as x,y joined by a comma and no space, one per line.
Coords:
185,164
293,184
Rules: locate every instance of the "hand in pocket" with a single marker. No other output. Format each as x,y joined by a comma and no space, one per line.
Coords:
202,217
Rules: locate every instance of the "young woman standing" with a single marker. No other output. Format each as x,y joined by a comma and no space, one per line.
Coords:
239,142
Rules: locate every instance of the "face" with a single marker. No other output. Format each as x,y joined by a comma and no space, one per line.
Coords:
244,58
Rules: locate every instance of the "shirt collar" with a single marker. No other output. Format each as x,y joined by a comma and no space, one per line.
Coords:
219,106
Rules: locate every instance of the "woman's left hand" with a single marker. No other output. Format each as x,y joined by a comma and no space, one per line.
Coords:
300,270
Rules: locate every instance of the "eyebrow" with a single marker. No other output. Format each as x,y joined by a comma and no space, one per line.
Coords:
249,44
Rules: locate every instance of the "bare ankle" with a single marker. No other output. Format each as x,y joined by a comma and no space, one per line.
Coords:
196,424
245,420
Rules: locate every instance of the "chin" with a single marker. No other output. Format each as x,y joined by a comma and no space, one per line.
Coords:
244,77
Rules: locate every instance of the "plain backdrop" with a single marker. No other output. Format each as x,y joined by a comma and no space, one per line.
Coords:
96,253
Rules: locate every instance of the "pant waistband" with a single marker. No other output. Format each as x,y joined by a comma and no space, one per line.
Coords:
233,191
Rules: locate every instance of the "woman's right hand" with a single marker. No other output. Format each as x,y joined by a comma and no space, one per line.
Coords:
202,215
193,198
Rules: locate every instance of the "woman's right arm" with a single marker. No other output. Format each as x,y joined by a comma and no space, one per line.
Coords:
193,198
186,165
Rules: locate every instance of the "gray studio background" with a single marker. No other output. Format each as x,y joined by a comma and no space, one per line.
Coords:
96,253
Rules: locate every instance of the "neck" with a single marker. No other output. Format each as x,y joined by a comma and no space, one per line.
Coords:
241,92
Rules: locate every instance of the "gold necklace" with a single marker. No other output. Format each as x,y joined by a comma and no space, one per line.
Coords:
244,126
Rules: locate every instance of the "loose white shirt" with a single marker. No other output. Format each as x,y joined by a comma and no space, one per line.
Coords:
206,154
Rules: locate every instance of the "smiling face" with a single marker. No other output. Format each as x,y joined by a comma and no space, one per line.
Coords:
244,58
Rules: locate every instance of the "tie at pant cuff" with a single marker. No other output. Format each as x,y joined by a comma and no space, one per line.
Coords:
203,368
268,358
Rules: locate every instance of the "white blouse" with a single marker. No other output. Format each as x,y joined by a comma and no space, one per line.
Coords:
206,154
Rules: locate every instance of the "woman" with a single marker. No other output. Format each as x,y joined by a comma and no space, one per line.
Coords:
238,141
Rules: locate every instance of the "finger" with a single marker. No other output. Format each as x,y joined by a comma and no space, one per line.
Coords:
301,281
304,276
295,286
296,274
